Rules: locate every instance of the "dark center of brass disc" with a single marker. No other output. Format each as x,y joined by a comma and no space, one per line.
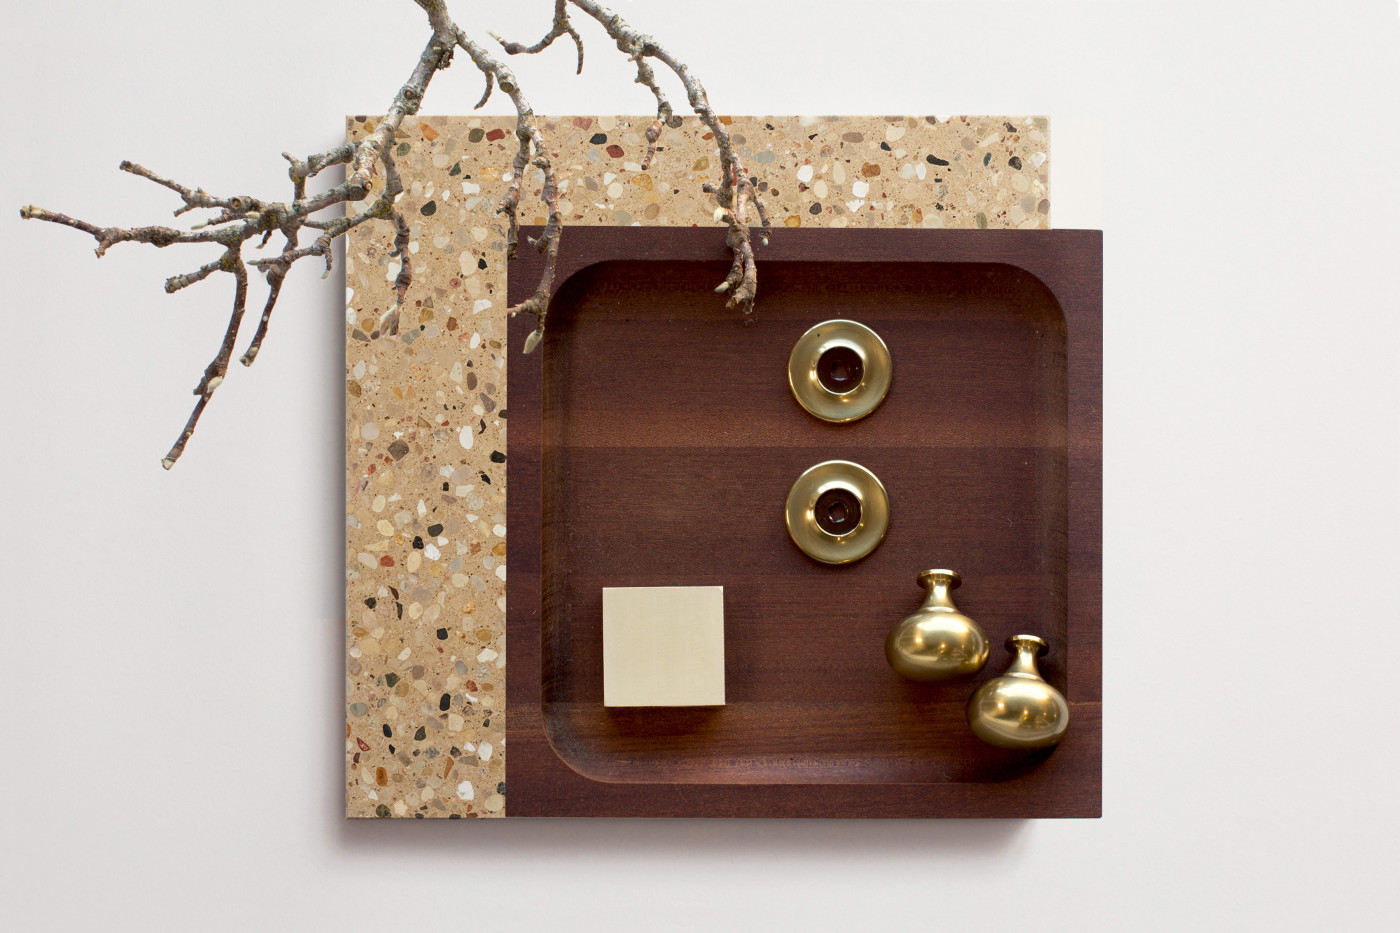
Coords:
837,511
840,369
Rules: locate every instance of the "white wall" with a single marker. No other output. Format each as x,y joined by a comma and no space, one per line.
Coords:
171,642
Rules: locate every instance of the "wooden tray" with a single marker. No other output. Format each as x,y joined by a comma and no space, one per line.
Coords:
653,439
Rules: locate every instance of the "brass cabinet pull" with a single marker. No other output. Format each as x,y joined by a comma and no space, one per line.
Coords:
840,370
837,512
1019,709
938,641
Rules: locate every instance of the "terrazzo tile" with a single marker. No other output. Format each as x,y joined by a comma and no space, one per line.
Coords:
426,411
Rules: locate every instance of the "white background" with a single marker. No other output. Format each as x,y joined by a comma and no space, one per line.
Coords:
171,649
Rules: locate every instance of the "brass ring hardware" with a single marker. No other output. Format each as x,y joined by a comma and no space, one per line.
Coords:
837,512
840,371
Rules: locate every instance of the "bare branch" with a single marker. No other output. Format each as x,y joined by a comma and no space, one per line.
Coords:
486,94
193,199
538,303
177,282
214,372
529,140
274,283
238,220
313,165
664,116
241,219
560,27
735,193
389,323
275,276
108,237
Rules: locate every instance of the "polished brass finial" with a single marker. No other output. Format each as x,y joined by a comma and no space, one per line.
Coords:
1019,709
938,641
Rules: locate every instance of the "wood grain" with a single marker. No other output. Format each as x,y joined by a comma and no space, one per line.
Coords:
652,444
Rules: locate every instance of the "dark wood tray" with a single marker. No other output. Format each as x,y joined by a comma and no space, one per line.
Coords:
653,438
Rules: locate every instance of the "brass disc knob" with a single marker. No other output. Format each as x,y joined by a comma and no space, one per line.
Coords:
1019,709
837,512
938,641
840,370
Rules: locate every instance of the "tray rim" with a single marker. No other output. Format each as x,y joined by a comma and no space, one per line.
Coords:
1068,784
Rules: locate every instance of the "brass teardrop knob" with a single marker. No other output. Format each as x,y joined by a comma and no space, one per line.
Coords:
938,641
1019,709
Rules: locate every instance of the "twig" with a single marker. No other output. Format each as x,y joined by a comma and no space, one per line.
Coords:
214,372
527,134
239,219
735,193
236,220
560,27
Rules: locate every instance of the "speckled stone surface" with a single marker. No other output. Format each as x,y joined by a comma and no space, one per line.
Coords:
426,412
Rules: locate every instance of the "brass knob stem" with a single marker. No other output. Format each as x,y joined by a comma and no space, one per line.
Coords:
940,585
1026,649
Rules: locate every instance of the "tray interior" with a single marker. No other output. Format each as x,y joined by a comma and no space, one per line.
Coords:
669,440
